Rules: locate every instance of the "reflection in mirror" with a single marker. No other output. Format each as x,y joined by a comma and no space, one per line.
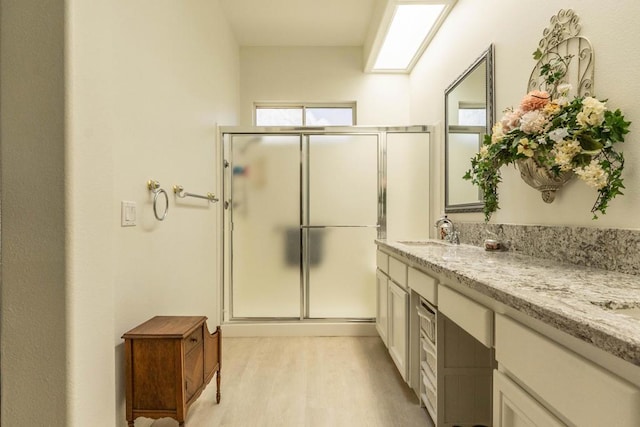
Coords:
468,117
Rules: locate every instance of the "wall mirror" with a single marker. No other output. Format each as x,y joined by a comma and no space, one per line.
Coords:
468,117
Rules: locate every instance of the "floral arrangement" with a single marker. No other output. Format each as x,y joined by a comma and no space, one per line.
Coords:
565,136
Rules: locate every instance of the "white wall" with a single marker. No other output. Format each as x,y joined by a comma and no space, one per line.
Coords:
515,29
34,269
146,83
321,74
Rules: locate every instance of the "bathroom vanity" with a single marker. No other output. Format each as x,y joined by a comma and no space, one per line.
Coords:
530,341
449,370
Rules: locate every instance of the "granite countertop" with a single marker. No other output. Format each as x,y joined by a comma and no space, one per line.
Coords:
578,300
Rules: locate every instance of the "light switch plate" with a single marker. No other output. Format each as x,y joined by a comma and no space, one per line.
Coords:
128,214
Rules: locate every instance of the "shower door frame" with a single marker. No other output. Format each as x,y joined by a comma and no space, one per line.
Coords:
226,133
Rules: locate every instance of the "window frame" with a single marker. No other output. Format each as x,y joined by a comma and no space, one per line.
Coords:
304,106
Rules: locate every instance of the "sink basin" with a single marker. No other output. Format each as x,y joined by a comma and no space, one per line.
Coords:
424,243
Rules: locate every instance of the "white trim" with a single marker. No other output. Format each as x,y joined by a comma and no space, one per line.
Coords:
323,329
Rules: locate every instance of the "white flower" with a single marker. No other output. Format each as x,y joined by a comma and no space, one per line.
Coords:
558,135
564,88
593,175
533,122
592,113
564,151
562,101
497,133
484,151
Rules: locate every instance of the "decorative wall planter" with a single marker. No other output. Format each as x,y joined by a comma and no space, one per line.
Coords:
541,178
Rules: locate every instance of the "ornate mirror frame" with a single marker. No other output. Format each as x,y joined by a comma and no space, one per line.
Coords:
451,204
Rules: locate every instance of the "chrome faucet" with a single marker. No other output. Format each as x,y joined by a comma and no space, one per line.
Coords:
447,231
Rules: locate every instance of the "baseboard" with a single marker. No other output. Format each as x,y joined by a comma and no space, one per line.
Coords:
310,329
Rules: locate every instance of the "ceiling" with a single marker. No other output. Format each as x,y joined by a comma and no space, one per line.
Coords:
300,22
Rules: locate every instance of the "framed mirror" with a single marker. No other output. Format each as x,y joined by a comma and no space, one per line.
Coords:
468,116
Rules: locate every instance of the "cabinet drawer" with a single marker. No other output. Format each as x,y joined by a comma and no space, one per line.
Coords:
427,319
382,261
398,272
581,391
423,284
193,340
474,318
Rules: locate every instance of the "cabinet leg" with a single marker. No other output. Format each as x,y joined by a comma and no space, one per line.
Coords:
218,387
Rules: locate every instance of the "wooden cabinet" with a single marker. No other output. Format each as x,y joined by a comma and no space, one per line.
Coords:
169,360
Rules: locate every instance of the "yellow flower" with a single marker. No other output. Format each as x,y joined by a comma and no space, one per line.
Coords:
564,151
526,147
551,109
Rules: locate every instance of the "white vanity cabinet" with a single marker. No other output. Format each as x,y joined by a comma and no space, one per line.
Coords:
382,305
392,317
397,338
512,406
448,368
382,295
542,383
479,358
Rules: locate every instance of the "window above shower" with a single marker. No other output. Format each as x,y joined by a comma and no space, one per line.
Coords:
304,114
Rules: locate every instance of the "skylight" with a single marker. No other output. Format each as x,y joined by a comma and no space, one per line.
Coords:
412,26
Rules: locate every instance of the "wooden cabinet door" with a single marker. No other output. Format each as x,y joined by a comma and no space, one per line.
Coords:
382,307
193,371
398,327
514,407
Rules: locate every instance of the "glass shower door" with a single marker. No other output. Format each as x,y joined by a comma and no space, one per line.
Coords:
265,226
340,225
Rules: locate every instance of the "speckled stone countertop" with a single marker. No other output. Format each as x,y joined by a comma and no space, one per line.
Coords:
580,301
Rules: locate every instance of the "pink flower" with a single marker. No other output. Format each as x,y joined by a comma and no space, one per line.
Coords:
534,100
511,119
534,122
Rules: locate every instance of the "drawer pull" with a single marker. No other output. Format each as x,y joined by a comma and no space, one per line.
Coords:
193,339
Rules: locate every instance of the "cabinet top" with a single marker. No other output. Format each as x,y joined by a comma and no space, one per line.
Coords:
166,327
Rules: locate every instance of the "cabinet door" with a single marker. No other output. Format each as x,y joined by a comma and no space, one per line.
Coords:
382,307
193,371
514,407
398,327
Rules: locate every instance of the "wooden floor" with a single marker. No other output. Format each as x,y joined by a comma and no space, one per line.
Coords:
305,381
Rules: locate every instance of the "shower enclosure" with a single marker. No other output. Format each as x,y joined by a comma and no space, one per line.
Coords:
302,208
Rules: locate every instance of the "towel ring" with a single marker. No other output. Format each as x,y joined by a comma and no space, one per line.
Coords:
155,204
154,187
